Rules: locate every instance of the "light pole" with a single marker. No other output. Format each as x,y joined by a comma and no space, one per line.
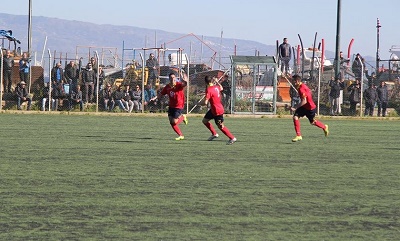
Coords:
378,25
29,44
337,60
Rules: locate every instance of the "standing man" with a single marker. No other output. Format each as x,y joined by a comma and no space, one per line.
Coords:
370,97
89,76
355,96
71,74
285,54
174,90
334,95
57,74
357,66
24,68
8,63
343,65
152,65
383,99
306,107
216,112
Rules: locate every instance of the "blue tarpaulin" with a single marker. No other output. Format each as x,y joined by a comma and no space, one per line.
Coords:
8,35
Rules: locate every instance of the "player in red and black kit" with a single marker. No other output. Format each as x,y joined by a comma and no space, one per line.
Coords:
174,90
306,107
216,112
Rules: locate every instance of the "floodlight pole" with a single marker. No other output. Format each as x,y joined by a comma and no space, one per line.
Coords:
337,58
1,77
30,44
378,25
97,80
361,88
50,84
142,58
188,83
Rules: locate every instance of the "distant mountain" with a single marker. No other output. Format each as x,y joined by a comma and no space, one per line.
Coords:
63,36
68,38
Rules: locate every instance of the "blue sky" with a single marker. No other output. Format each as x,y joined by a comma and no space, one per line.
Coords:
264,21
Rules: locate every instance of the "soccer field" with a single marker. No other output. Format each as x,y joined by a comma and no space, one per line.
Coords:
113,177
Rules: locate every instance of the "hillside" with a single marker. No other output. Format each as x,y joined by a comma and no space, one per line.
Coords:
63,36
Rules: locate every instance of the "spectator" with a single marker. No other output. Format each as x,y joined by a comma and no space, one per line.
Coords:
226,92
93,62
57,74
22,95
137,98
343,66
108,99
294,97
8,63
75,98
24,68
152,65
71,75
89,77
150,98
55,93
334,95
45,96
355,96
371,78
358,66
285,54
60,96
118,96
127,99
101,80
370,96
383,98
162,100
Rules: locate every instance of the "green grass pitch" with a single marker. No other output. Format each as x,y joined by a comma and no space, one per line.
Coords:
109,177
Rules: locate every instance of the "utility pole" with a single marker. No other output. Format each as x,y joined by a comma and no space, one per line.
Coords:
30,44
337,60
378,25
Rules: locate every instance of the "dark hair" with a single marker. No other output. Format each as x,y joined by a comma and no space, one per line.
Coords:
207,79
296,77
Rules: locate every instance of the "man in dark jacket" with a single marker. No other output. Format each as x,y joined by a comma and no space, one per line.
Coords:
355,95
71,74
118,97
76,98
285,53
8,63
358,66
22,95
153,66
89,76
383,98
57,74
108,99
370,97
334,95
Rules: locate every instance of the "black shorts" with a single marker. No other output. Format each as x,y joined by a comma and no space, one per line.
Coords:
218,119
175,112
310,114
